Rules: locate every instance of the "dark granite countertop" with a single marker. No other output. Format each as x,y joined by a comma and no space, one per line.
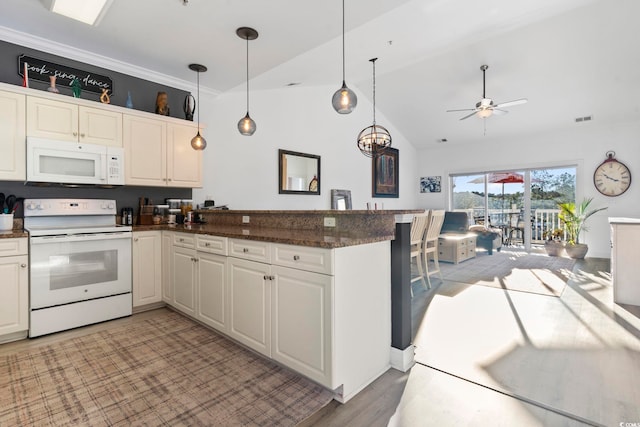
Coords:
313,238
12,234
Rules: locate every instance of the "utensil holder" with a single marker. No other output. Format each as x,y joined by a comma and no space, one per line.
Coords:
6,222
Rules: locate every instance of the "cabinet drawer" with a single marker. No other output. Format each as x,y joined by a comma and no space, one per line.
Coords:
9,247
318,260
184,240
250,249
211,244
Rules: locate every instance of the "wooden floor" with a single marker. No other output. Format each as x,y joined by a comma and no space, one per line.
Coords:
423,396
426,396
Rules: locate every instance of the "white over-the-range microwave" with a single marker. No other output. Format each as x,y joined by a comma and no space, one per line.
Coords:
63,162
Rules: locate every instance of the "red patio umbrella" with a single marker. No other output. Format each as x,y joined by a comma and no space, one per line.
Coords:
500,178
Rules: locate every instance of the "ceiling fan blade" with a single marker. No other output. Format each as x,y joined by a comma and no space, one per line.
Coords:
512,103
499,112
469,115
464,109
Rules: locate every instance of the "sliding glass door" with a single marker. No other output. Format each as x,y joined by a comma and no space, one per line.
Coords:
522,203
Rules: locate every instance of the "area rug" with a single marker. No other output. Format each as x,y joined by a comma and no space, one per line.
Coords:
165,370
513,270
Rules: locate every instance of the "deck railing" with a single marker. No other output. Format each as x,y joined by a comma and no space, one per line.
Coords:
542,220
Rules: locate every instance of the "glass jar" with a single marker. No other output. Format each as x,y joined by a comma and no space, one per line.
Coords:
186,205
173,203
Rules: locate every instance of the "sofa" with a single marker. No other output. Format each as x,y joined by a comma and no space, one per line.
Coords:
488,238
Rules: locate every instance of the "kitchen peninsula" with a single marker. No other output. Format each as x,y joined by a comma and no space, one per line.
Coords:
315,298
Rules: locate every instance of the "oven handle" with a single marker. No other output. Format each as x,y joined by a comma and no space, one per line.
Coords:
43,240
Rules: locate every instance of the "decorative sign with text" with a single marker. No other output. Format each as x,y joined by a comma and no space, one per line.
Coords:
42,70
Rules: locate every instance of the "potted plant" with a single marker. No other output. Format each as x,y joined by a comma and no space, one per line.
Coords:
553,241
574,217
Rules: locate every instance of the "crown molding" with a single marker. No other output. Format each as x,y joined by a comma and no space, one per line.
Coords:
34,42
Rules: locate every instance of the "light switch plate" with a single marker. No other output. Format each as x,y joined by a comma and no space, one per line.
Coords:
329,222
245,219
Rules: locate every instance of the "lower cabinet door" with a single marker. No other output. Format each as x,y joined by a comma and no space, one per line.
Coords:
184,279
167,270
147,267
14,288
302,322
250,303
211,306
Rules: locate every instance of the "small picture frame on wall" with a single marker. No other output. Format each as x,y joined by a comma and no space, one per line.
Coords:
385,174
430,184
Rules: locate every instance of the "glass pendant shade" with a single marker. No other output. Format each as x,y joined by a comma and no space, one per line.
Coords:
198,142
246,125
485,112
344,100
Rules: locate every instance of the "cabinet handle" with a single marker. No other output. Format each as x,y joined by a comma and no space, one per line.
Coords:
135,240
169,179
82,135
296,257
181,239
75,133
245,250
266,277
23,265
207,244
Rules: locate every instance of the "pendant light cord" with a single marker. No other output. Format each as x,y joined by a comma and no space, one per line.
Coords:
198,102
374,89
247,74
343,55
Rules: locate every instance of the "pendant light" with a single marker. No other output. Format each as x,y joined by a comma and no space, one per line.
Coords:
344,100
246,125
375,139
198,142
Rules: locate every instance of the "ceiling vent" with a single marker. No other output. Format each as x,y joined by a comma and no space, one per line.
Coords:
583,119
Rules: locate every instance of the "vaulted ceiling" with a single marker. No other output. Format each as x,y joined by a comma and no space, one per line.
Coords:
570,58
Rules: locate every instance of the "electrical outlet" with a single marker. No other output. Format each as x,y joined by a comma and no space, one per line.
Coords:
329,222
245,219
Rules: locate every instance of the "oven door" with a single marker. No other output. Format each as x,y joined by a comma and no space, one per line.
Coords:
71,268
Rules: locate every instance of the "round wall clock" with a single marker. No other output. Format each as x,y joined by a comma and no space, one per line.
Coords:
611,177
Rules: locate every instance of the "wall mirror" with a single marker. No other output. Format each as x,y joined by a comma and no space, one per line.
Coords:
299,173
341,200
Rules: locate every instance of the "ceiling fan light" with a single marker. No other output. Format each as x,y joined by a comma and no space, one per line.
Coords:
485,112
344,100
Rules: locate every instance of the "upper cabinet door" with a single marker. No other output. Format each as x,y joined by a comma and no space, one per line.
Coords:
99,126
52,119
145,146
12,137
184,164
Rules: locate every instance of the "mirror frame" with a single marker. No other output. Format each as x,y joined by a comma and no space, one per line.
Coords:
281,156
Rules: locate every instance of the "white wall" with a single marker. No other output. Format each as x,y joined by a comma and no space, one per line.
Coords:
242,171
584,146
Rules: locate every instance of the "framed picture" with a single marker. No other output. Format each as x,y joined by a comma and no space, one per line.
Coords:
385,174
430,184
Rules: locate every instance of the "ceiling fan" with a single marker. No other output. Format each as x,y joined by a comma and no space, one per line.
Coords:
486,107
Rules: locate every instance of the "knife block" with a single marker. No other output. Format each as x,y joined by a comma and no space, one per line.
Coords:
145,217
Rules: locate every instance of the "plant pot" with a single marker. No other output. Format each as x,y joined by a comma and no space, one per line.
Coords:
553,248
576,251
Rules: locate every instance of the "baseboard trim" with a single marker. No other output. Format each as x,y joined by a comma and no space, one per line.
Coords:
403,360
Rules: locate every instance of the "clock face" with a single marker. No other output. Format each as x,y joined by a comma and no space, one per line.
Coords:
612,178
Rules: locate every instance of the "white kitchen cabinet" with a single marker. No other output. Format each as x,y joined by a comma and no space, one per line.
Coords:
14,289
184,279
249,287
301,323
147,267
12,137
212,292
625,261
167,278
145,145
159,154
65,121
184,164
